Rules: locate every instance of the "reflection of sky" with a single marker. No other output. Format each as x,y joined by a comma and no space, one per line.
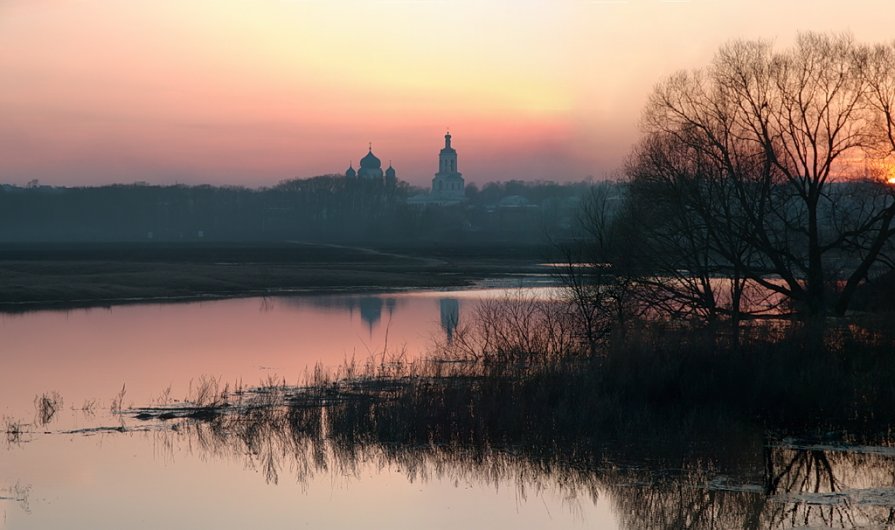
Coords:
148,480
89,354
137,480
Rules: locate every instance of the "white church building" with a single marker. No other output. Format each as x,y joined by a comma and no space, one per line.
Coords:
448,186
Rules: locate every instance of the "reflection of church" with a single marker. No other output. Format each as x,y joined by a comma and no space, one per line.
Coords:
449,310
371,170
371,309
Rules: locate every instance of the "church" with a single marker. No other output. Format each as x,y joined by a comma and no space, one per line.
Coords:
448,184
371,170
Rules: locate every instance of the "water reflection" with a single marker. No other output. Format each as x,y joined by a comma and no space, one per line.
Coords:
449,310
17,493
543,432
372,308
659,473
369,307
91,353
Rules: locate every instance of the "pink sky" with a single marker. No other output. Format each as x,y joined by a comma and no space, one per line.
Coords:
252,92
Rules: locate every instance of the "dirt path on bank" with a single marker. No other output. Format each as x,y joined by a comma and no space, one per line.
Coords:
428,262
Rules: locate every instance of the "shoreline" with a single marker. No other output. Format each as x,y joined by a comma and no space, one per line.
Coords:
56,278
94,303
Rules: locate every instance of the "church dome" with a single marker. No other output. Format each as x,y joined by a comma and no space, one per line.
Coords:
390,172
370,161
351,173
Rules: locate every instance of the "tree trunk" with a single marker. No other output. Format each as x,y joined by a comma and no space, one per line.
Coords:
815,279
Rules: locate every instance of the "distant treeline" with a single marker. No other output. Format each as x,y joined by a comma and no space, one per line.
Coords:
319,208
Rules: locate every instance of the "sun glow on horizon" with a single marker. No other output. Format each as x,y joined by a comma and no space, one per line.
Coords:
888,173
228,91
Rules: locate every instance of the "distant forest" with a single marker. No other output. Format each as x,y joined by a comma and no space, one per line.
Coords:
324,208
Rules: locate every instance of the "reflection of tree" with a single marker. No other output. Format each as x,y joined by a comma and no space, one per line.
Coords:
830,487
683,502
802,487
460,427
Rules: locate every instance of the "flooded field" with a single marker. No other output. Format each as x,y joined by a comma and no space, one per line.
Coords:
66,460
93,436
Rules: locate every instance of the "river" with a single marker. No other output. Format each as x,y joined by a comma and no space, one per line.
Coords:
82,465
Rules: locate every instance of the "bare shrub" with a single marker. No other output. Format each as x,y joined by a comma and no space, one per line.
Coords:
517,328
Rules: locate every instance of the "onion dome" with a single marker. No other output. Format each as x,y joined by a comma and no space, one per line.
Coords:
370,161
351,173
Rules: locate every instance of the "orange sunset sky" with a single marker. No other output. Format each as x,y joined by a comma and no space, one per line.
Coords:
254,91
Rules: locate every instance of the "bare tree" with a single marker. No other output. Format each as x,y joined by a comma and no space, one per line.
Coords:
760,168
687,234
597,275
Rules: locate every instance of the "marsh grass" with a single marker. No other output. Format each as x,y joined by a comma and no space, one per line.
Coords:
560,427
46,406
685,427
785,377
118,401
88,407
15,430
781,379
20,494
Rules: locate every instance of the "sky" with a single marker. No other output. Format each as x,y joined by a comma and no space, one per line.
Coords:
250,92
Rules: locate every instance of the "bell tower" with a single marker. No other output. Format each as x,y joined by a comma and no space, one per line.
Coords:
447,158
448,183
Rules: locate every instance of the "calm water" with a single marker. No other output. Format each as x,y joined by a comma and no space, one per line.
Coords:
85,467
77,471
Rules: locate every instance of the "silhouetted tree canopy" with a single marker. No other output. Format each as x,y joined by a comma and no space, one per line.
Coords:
323,208
769,168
